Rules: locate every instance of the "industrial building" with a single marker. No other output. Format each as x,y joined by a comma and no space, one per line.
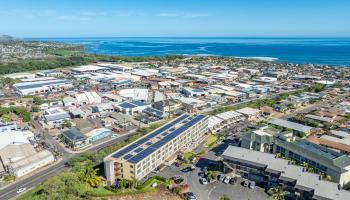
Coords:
224,120
18,156
77,140
38,87
55,117
88,98
266,169
132,108
6,126
139,158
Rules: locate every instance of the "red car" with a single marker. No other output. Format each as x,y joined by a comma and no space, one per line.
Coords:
117,130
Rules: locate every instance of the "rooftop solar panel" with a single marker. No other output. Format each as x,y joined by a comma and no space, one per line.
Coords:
138,150
127,157
143,154
120,153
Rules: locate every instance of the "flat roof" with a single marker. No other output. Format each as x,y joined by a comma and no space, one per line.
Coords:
149,143
322,188
39,84
86,68
291,125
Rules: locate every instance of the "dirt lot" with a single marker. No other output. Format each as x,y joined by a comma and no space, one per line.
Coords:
148,196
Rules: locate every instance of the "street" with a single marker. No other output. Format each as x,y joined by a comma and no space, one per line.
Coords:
9,191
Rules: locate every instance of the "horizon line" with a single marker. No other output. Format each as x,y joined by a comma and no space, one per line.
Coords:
183,37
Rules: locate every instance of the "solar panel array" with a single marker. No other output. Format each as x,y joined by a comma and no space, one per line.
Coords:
140,156
143,140
168,133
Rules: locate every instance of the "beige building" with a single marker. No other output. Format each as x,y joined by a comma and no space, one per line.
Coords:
139,158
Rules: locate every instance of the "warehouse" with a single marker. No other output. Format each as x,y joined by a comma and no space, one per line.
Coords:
139,158
18,155
55,117
39,87
132,108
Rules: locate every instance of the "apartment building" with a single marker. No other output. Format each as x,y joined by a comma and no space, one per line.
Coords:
321,159
266,169
139,158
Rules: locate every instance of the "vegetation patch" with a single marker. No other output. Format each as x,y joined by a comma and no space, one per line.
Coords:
211,141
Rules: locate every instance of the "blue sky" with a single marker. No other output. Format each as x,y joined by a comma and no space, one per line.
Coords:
137,18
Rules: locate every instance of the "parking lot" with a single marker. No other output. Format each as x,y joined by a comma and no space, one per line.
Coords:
216,189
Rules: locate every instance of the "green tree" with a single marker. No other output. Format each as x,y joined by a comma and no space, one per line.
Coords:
67,124
87,174
277,193
26,116
225,198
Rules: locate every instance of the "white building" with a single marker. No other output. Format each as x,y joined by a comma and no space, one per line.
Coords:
55,117
134,94
38,87
88,98
18,156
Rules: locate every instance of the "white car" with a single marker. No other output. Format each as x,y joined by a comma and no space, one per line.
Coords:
227,179
20,190
204,181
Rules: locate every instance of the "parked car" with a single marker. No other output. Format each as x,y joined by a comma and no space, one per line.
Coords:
201,174
245,183
186,169
233,180
117,130
20,190
221,177
203,181
190,196
178,179
251,184
227,179
192,167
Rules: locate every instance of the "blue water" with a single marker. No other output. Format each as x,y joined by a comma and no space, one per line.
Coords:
325,51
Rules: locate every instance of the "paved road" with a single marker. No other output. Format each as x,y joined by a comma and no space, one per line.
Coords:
37,178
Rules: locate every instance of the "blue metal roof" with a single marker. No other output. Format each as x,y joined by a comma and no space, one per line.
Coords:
127,105
138,103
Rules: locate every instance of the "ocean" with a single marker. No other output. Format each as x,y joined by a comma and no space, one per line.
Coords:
324,51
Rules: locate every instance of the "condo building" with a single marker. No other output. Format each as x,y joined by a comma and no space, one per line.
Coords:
139,158
269,171
321,159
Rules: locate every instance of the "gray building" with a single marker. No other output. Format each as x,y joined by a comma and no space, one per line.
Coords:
321,159
269,171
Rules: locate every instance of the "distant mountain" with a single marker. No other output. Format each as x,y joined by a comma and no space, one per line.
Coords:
7,38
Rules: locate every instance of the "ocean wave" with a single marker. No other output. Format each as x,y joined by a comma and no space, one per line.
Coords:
263,58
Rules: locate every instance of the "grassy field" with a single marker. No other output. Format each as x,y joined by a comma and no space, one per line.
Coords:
211,140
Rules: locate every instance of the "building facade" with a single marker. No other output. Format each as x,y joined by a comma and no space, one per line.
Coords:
270,172
321,159
139,158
